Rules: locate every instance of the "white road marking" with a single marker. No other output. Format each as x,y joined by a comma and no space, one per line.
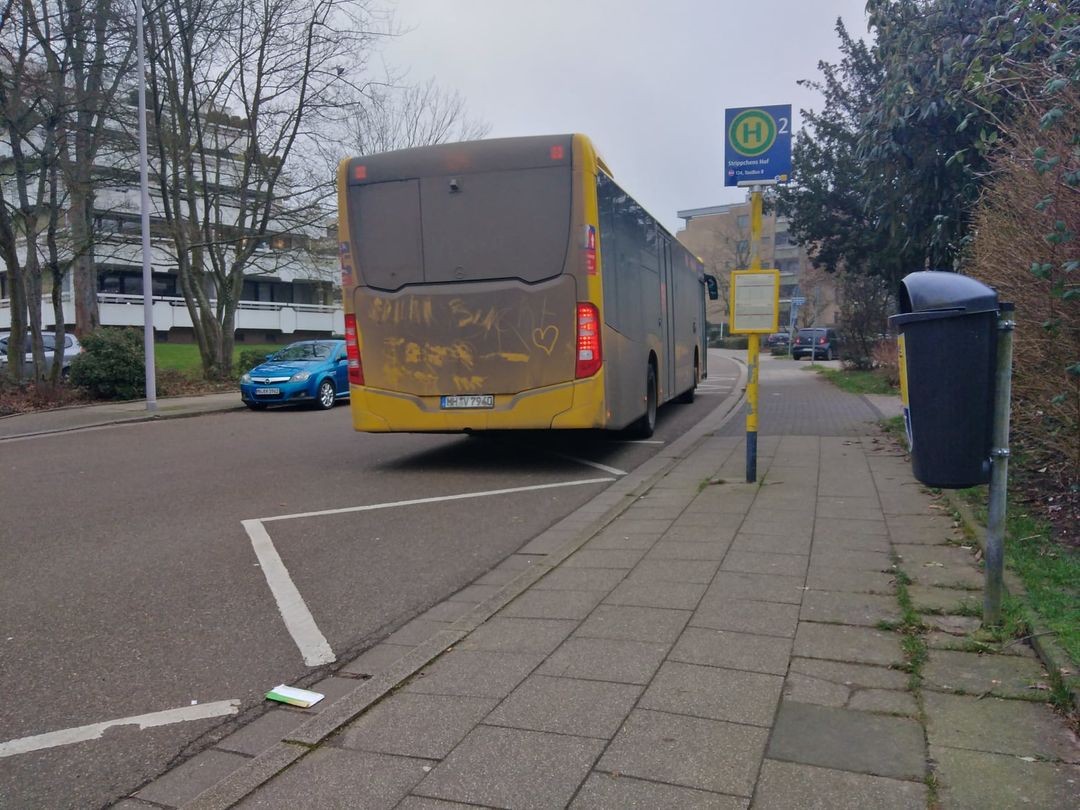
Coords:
294,611
587,463
436,499
94,731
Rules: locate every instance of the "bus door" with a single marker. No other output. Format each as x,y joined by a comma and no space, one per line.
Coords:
667,313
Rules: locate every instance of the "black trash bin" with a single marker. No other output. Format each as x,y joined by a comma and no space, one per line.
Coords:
948,348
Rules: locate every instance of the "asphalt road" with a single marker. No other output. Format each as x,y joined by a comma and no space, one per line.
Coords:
130,585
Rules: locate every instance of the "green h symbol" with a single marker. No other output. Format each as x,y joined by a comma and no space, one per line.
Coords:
753,128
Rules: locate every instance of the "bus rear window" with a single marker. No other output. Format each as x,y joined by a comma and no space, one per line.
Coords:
468,227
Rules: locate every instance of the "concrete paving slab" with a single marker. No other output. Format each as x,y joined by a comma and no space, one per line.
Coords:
849,741
910,500
838,642
804,689
474,674
533,604
378,659
757,587
826,527
503,767
677,595
945,600
567,706
751,562
847,507
700,571
603,791
746,616
423,803
863,609
850,559
685,550
687,751
416,632
787,785
824,578
995,725
723,648
603,659
953,625
414,725
475,594
770,543
975,780
634,623
622,540
604,558
852,676
884,701
182,784
942,576
328,775
699,534
500,634
975,674
448,611
333,689
788,524
716,694
260,734
580,579
852,542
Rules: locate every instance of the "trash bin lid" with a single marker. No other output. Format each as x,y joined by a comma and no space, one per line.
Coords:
938,290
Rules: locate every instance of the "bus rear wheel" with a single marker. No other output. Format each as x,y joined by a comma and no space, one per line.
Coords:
687,396
643,428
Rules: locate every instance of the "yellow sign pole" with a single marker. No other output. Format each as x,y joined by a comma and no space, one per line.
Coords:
753,345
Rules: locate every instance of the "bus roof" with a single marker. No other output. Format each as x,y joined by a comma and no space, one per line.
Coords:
448,159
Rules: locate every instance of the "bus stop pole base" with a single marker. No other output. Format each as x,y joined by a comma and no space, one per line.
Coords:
751,456
999,473
753,358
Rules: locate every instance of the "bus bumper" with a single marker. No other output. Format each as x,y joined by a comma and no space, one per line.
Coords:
573,405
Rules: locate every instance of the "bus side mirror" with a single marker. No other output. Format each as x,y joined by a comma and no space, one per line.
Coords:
710,285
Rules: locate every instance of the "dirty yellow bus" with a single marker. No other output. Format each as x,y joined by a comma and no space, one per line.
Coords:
511,284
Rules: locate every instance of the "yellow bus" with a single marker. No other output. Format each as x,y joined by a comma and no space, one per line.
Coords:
511,284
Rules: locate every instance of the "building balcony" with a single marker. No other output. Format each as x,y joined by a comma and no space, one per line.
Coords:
171,313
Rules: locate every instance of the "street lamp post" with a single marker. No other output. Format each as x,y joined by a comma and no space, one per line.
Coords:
144,207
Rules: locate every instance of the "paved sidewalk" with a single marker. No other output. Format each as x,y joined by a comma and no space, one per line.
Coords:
78,417
688,640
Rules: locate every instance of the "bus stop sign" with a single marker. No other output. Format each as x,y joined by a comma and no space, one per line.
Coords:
757,145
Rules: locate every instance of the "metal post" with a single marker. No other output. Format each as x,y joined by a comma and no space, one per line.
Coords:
999,474
144,204
753,347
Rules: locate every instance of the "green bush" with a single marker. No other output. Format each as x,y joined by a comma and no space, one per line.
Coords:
112,365
249,358
734,342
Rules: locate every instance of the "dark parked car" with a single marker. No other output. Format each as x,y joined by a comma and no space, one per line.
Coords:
816,343
778,339
311,371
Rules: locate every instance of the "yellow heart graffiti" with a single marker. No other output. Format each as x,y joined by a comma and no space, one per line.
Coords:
546,338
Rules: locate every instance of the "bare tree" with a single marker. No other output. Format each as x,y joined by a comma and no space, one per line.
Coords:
393,117
241,93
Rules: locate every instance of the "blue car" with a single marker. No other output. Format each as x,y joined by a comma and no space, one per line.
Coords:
313,371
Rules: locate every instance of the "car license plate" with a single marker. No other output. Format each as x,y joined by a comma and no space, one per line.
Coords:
267,392
467,401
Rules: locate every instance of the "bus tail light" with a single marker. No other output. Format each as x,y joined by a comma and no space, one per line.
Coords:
589,353
352,348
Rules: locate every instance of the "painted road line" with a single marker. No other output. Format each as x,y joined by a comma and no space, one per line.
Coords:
294,611
595,464
52,739
437,499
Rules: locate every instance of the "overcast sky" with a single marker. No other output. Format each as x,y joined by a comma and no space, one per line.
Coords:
647,80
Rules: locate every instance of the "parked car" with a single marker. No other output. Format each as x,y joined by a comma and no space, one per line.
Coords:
310,371
816,343
72,347
778,339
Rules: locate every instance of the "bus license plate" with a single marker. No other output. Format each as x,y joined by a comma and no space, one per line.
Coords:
467,401
267,392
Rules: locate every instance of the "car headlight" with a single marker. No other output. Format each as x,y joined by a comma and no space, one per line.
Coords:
245,378
300,376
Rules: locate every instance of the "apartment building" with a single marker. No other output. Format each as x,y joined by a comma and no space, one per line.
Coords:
291,287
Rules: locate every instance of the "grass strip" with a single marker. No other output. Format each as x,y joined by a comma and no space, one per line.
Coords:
857,382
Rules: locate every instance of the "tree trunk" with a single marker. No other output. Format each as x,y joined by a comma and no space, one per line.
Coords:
84,270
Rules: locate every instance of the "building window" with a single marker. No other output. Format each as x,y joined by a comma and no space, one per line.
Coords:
742,222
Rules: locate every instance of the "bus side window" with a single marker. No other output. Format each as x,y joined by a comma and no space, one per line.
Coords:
605,198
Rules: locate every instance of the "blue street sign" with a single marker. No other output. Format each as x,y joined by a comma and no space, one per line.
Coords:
798,300
757,144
